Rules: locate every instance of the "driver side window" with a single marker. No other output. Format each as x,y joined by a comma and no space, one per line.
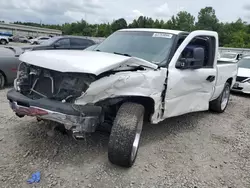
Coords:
205,42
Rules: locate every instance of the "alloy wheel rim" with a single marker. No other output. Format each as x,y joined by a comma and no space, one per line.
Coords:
225,97
137,139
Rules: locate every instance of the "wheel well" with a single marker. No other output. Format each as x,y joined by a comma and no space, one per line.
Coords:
115,103
147,102
5,78
230,81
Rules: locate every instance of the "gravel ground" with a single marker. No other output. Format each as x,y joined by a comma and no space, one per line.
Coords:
195,150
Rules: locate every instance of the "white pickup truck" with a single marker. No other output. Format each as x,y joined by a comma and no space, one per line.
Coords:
135,75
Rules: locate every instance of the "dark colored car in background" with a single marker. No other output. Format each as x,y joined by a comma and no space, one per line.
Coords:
9,61
62,42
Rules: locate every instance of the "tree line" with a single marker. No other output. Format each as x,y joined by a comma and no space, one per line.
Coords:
235,34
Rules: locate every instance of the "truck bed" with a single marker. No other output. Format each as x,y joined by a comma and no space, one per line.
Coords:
225,71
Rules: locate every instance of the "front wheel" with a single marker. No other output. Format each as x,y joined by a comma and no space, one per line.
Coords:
125,134
220,104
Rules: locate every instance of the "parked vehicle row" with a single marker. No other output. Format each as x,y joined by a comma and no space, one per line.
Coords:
132,76
62,42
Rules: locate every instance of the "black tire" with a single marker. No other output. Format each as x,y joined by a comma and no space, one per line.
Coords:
216,105
3,42
2,80
125,132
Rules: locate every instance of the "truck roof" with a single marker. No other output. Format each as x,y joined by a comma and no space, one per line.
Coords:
175,32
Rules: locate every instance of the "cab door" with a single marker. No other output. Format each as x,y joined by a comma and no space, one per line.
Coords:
190,89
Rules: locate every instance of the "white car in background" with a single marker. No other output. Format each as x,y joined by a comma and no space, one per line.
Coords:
230,57
243,77
4,40
38,40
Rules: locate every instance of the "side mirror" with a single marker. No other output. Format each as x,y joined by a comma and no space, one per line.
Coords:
194,62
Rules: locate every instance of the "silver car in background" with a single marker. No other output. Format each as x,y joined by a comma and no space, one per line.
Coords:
9,61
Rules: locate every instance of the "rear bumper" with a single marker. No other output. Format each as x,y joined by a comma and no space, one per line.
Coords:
85,119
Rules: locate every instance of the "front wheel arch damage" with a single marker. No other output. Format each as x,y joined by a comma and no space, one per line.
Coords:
111,106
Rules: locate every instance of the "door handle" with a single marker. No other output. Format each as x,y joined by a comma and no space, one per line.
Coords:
210,78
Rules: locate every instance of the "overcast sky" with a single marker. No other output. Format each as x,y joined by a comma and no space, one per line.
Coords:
97,11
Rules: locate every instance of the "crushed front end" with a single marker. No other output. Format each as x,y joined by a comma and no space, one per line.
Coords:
50,95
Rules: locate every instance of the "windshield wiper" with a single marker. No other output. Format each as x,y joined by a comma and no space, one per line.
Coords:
122,54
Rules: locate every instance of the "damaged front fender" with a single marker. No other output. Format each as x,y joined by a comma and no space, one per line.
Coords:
145,83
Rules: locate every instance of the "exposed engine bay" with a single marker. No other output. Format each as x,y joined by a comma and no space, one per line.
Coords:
37,82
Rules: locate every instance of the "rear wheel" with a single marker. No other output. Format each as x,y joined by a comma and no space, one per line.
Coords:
125,134
2,80
220,104
3,42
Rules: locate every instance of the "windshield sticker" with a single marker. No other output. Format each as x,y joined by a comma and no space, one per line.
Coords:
163,35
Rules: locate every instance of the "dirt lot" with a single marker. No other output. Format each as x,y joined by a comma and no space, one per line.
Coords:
195,150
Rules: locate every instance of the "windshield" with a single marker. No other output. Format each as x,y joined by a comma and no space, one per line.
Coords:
244,63
230,56
49,41
150,46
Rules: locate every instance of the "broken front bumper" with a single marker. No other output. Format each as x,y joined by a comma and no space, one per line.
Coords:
242,87
74,117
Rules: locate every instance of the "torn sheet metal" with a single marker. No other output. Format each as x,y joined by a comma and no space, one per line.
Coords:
81,123
187,91
76,61
146,83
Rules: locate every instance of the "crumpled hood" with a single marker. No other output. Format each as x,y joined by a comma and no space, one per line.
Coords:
81,61
243,72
